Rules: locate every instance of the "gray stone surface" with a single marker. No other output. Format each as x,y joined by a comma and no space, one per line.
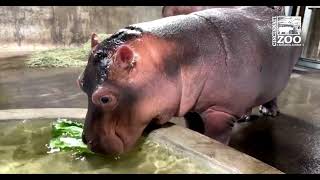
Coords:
199,145
47,113
22,87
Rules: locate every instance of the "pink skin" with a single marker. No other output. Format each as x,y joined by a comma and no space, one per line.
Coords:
180,10
220,75
117,128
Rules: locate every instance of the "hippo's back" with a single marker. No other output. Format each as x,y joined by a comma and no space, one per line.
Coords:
255,72
244,69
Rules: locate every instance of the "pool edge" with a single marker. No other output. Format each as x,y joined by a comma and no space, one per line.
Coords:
174,135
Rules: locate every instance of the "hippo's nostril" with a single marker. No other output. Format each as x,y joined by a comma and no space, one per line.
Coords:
84,140
104,100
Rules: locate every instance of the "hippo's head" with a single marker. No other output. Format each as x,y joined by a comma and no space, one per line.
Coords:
126,90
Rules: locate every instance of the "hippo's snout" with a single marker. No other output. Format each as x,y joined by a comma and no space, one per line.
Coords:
92,145
100,140
84,140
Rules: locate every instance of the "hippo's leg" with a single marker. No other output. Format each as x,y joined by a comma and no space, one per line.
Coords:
270,108
218,125
194,122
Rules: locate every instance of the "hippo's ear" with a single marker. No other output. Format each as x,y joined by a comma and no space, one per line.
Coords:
94,40
124,56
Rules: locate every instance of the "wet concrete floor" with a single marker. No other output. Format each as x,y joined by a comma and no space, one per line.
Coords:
22,87
289,142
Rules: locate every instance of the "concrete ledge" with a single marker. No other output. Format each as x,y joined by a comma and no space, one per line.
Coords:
198,145
179,139
48,113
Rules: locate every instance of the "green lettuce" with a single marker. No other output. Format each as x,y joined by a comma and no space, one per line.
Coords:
66,136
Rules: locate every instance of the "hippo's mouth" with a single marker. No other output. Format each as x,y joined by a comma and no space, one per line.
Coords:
121,140
113,144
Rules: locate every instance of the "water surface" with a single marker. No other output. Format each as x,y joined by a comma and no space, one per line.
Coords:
23,150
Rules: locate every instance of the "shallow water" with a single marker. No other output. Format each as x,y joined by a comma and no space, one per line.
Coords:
23,150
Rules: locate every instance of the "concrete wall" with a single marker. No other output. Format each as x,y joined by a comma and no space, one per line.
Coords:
312,45
22,26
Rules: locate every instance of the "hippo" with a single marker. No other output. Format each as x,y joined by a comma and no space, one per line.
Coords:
218,63
179,10
269,109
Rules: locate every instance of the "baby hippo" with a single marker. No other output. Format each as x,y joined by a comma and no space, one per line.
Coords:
218,63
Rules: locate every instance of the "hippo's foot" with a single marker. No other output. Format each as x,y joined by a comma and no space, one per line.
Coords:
270,108
248,118
218,125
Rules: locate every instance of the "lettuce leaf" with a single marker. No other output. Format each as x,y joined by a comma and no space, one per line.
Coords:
66,136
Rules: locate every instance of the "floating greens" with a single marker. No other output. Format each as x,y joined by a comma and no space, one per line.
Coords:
66,136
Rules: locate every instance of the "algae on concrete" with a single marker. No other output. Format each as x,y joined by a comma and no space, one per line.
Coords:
62,57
